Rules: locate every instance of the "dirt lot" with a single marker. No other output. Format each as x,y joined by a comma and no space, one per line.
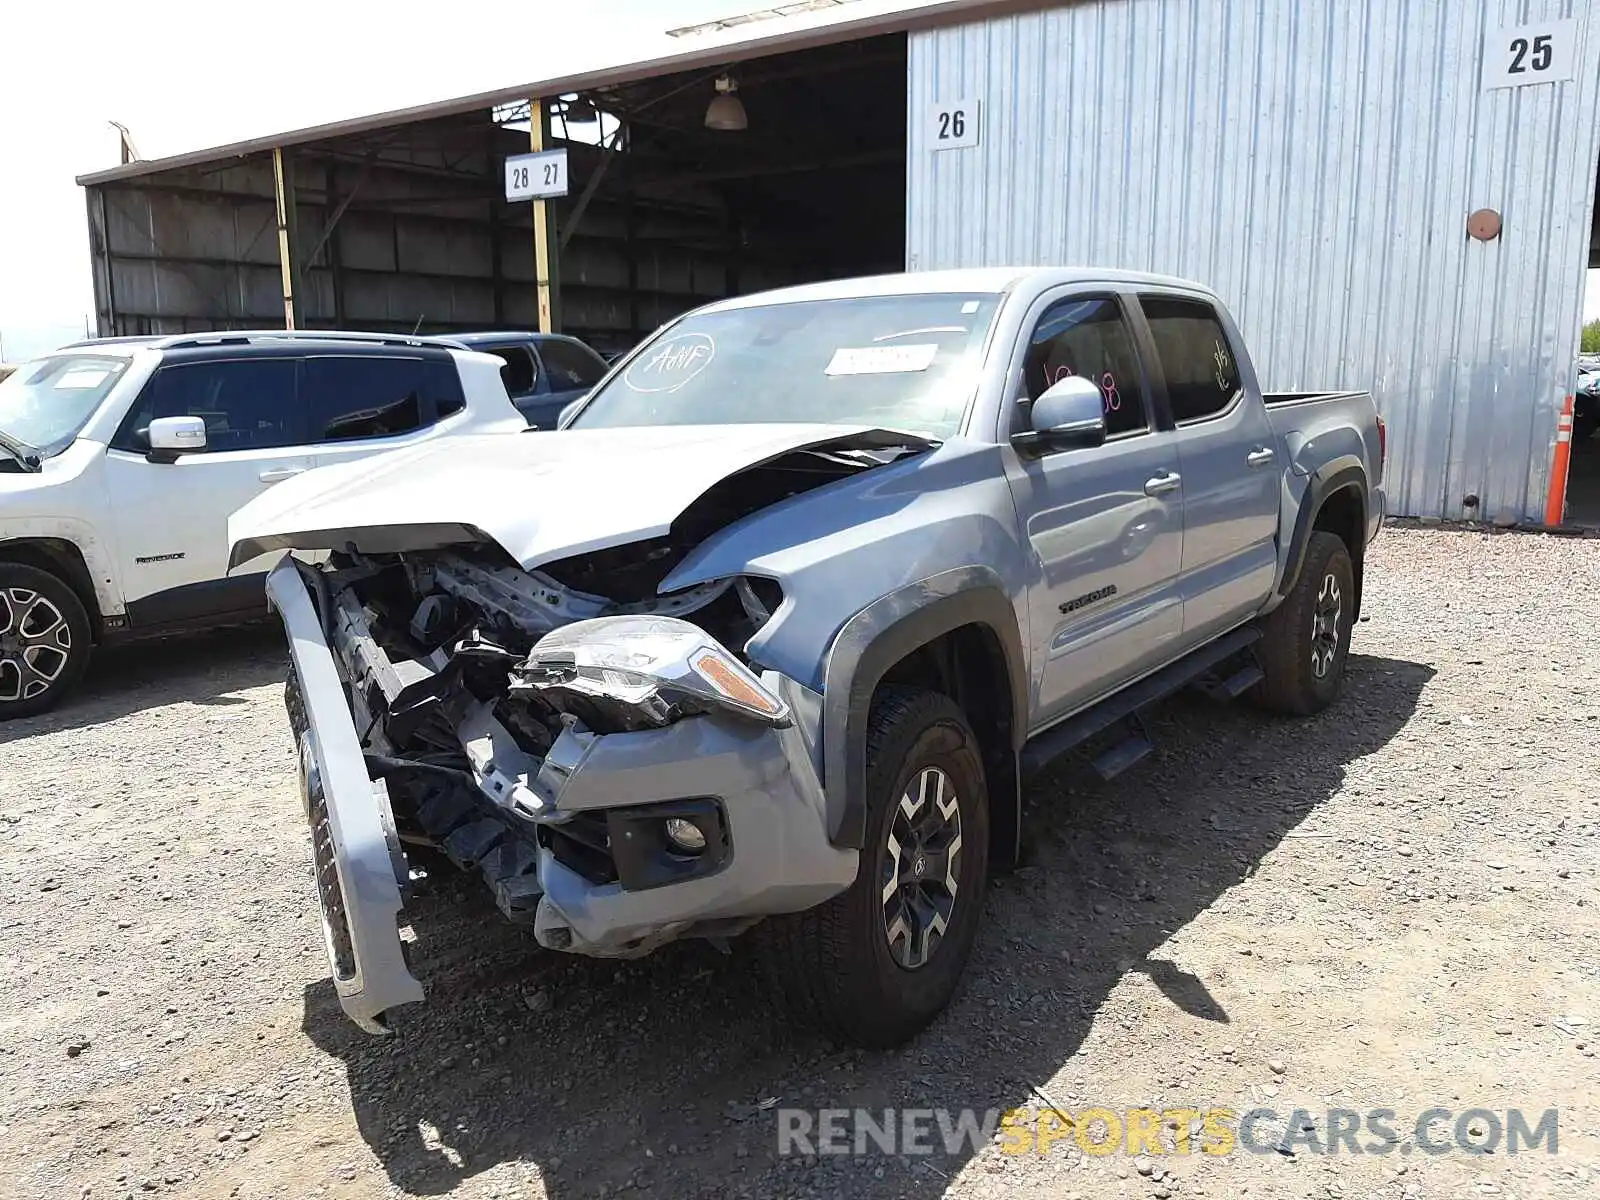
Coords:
1391,906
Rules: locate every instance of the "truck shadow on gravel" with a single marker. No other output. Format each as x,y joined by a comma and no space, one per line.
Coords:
661,1077
200,668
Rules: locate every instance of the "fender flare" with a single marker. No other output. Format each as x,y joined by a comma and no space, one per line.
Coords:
871,643
71,548
1343,472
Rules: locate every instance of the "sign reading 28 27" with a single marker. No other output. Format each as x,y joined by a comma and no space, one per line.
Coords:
1529,54
537,176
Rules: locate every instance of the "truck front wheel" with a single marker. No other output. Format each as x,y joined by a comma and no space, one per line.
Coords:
1306,639
877,963
44,640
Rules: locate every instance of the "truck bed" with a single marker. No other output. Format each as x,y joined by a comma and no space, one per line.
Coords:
1326,433
1285,399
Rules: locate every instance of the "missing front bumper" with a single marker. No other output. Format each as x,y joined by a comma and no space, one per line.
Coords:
573,842
353,843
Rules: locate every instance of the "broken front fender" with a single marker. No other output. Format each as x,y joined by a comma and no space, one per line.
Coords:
356,850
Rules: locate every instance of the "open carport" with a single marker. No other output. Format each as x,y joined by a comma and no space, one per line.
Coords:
399,222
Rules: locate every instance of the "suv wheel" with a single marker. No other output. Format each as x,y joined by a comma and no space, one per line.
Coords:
1307,638
44,640
875,964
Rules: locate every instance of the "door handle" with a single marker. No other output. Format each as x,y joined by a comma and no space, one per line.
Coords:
278,474
1162,484
1260,457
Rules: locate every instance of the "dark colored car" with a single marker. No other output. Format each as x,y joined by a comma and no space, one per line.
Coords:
544,372
1586,406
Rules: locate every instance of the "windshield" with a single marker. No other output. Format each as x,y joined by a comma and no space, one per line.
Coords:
45,402
900,362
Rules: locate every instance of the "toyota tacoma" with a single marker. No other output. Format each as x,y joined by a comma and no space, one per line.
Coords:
766,639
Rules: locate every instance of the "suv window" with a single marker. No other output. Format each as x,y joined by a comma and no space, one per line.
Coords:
247,404
520,372
370,397
570,366
1201,370
1087,336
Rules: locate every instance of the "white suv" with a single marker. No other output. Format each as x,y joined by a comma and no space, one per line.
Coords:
121,460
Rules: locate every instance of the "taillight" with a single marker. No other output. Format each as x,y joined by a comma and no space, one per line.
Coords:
1383,443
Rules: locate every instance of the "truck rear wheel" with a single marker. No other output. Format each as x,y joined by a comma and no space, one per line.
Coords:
44,640
877,963
1307,638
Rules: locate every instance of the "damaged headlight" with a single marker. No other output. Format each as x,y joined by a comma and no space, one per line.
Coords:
659,668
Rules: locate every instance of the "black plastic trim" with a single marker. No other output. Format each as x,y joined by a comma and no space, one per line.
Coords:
871,643
200,605
1337,475
643,856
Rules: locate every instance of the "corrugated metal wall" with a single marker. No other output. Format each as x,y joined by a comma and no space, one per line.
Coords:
1315,161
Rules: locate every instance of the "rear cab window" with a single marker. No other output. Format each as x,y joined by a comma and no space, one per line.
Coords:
1195,356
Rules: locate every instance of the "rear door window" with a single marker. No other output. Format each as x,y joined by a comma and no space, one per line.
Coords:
367,396
246,403
1196,358
570,366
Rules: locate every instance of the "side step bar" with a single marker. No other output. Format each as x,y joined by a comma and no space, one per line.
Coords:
1044,748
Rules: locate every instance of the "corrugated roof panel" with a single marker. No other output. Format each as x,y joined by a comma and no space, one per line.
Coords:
1315,162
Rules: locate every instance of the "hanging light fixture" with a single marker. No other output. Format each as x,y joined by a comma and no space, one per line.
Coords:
581,111
726,110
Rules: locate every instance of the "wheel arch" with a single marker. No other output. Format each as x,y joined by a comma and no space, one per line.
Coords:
63,559
955,632
1335,501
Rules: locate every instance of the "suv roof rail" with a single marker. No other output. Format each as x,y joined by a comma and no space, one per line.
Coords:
123,340
242,337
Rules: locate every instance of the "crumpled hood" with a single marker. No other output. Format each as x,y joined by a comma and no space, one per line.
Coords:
540,496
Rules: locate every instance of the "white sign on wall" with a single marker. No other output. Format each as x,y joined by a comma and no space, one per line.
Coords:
1525,54
953,126
536,176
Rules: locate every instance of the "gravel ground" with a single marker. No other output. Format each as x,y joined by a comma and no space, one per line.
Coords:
1390,906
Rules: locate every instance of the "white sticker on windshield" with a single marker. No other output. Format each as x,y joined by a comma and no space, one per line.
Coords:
882,360
671,363
970,307
82,377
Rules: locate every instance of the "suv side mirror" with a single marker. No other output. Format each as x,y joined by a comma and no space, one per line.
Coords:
170,437
569,409
1070,414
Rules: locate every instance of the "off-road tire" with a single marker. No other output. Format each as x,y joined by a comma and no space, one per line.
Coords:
65,663
1289,646
832,966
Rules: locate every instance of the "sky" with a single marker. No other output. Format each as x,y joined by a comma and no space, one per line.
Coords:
184,75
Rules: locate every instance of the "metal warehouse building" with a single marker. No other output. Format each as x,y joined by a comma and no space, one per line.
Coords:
1394,194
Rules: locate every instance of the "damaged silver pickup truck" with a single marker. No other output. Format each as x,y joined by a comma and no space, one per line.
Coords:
768,636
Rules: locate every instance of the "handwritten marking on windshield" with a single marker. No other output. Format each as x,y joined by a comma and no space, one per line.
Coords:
669,365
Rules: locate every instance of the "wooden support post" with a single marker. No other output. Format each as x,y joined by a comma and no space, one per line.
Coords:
542,265
283,188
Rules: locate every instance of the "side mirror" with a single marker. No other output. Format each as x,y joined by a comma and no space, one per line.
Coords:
171,437
1070,414
572,407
